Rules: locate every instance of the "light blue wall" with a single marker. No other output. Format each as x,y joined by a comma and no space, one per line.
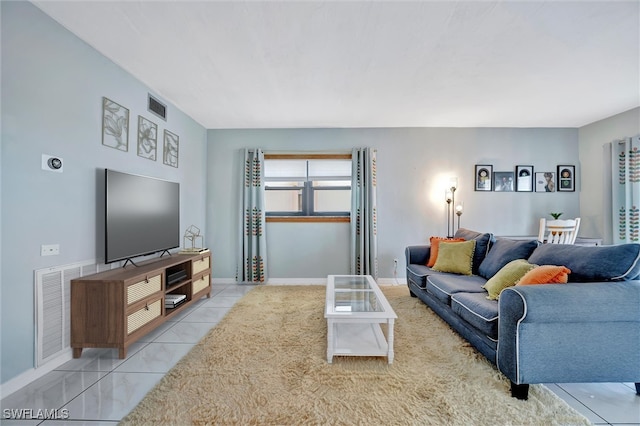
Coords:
52,89
412,165
595,199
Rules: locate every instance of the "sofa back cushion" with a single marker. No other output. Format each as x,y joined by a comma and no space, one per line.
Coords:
504,251
588,264
482,245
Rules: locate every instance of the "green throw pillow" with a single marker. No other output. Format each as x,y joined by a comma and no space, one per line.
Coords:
455,257
507,276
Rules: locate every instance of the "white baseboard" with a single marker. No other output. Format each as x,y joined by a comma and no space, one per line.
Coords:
392,281
223,281
18,382
300,281
308,281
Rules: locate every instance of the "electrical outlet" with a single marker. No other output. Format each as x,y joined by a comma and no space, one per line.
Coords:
49,249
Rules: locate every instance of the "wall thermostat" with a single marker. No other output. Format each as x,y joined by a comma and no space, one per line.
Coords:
51,163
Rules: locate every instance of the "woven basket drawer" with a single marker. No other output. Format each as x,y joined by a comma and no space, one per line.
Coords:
200,284
144,316
201,265
144,288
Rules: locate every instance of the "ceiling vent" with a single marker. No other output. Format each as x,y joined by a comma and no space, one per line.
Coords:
157,107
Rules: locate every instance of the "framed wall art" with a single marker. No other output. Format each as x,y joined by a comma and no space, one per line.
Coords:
524,178
566,178
483,174
171,149
115,125
545,182
503,181
147,138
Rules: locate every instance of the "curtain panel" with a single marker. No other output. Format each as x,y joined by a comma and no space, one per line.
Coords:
625,190
252,258
364,211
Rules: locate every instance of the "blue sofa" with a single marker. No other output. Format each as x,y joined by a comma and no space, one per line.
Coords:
587,330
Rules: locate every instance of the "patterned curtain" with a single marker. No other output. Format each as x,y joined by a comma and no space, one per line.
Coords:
252,262
625,182
364,211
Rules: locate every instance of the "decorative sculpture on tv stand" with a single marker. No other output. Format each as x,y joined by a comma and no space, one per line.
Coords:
192,234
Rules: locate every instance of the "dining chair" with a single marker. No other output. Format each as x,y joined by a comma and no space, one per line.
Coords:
558,231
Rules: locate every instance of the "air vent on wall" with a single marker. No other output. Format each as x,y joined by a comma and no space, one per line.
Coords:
157,107
52,307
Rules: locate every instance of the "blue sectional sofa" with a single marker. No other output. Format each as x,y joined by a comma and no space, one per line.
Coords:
587,330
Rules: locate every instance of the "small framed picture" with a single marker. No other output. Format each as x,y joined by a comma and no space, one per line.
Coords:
147,138
115,125
566,178
483,177
171,149
545,181
503,182
524,178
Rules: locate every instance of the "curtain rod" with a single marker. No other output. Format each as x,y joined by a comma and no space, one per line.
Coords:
332,152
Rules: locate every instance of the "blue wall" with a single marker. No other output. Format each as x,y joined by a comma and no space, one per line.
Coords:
413,166
52,89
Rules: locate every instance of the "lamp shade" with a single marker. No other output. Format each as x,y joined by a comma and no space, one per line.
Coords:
453,183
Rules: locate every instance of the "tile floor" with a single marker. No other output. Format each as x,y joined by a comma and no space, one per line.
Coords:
99,389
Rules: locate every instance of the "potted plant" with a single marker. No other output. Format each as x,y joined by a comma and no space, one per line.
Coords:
556,216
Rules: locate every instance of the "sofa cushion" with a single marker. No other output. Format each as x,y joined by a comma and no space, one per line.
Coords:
507,277
482,245
478,311
504,251
455,257
418,274
434,242
545,274
442,286
589,264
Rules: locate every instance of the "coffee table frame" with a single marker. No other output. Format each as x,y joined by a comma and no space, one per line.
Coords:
358,333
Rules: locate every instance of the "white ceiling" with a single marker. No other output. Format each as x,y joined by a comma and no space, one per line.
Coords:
373,64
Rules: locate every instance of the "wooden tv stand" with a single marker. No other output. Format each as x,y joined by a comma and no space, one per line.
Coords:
113,309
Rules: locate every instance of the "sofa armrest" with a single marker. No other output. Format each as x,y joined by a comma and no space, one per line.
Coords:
570,333
417,255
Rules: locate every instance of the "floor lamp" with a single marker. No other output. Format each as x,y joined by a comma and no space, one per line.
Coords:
459,208
450,197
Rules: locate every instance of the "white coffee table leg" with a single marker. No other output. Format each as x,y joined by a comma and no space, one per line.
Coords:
390,340
330,331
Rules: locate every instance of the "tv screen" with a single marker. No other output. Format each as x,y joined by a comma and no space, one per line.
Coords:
142,215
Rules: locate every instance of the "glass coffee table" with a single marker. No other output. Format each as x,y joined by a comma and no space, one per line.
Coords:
355,310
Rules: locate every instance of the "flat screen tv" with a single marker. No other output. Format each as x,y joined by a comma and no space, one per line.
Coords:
142,215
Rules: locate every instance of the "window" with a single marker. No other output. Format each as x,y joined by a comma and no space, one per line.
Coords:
315,186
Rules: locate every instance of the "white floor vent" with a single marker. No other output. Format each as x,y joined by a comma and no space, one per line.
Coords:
52,301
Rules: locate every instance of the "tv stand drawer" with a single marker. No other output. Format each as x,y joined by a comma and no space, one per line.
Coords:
200,265
144,315
200,284
144,288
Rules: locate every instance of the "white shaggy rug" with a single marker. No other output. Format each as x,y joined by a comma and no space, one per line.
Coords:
265,364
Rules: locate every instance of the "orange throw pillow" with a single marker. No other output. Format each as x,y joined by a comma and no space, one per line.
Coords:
546,274
435,244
